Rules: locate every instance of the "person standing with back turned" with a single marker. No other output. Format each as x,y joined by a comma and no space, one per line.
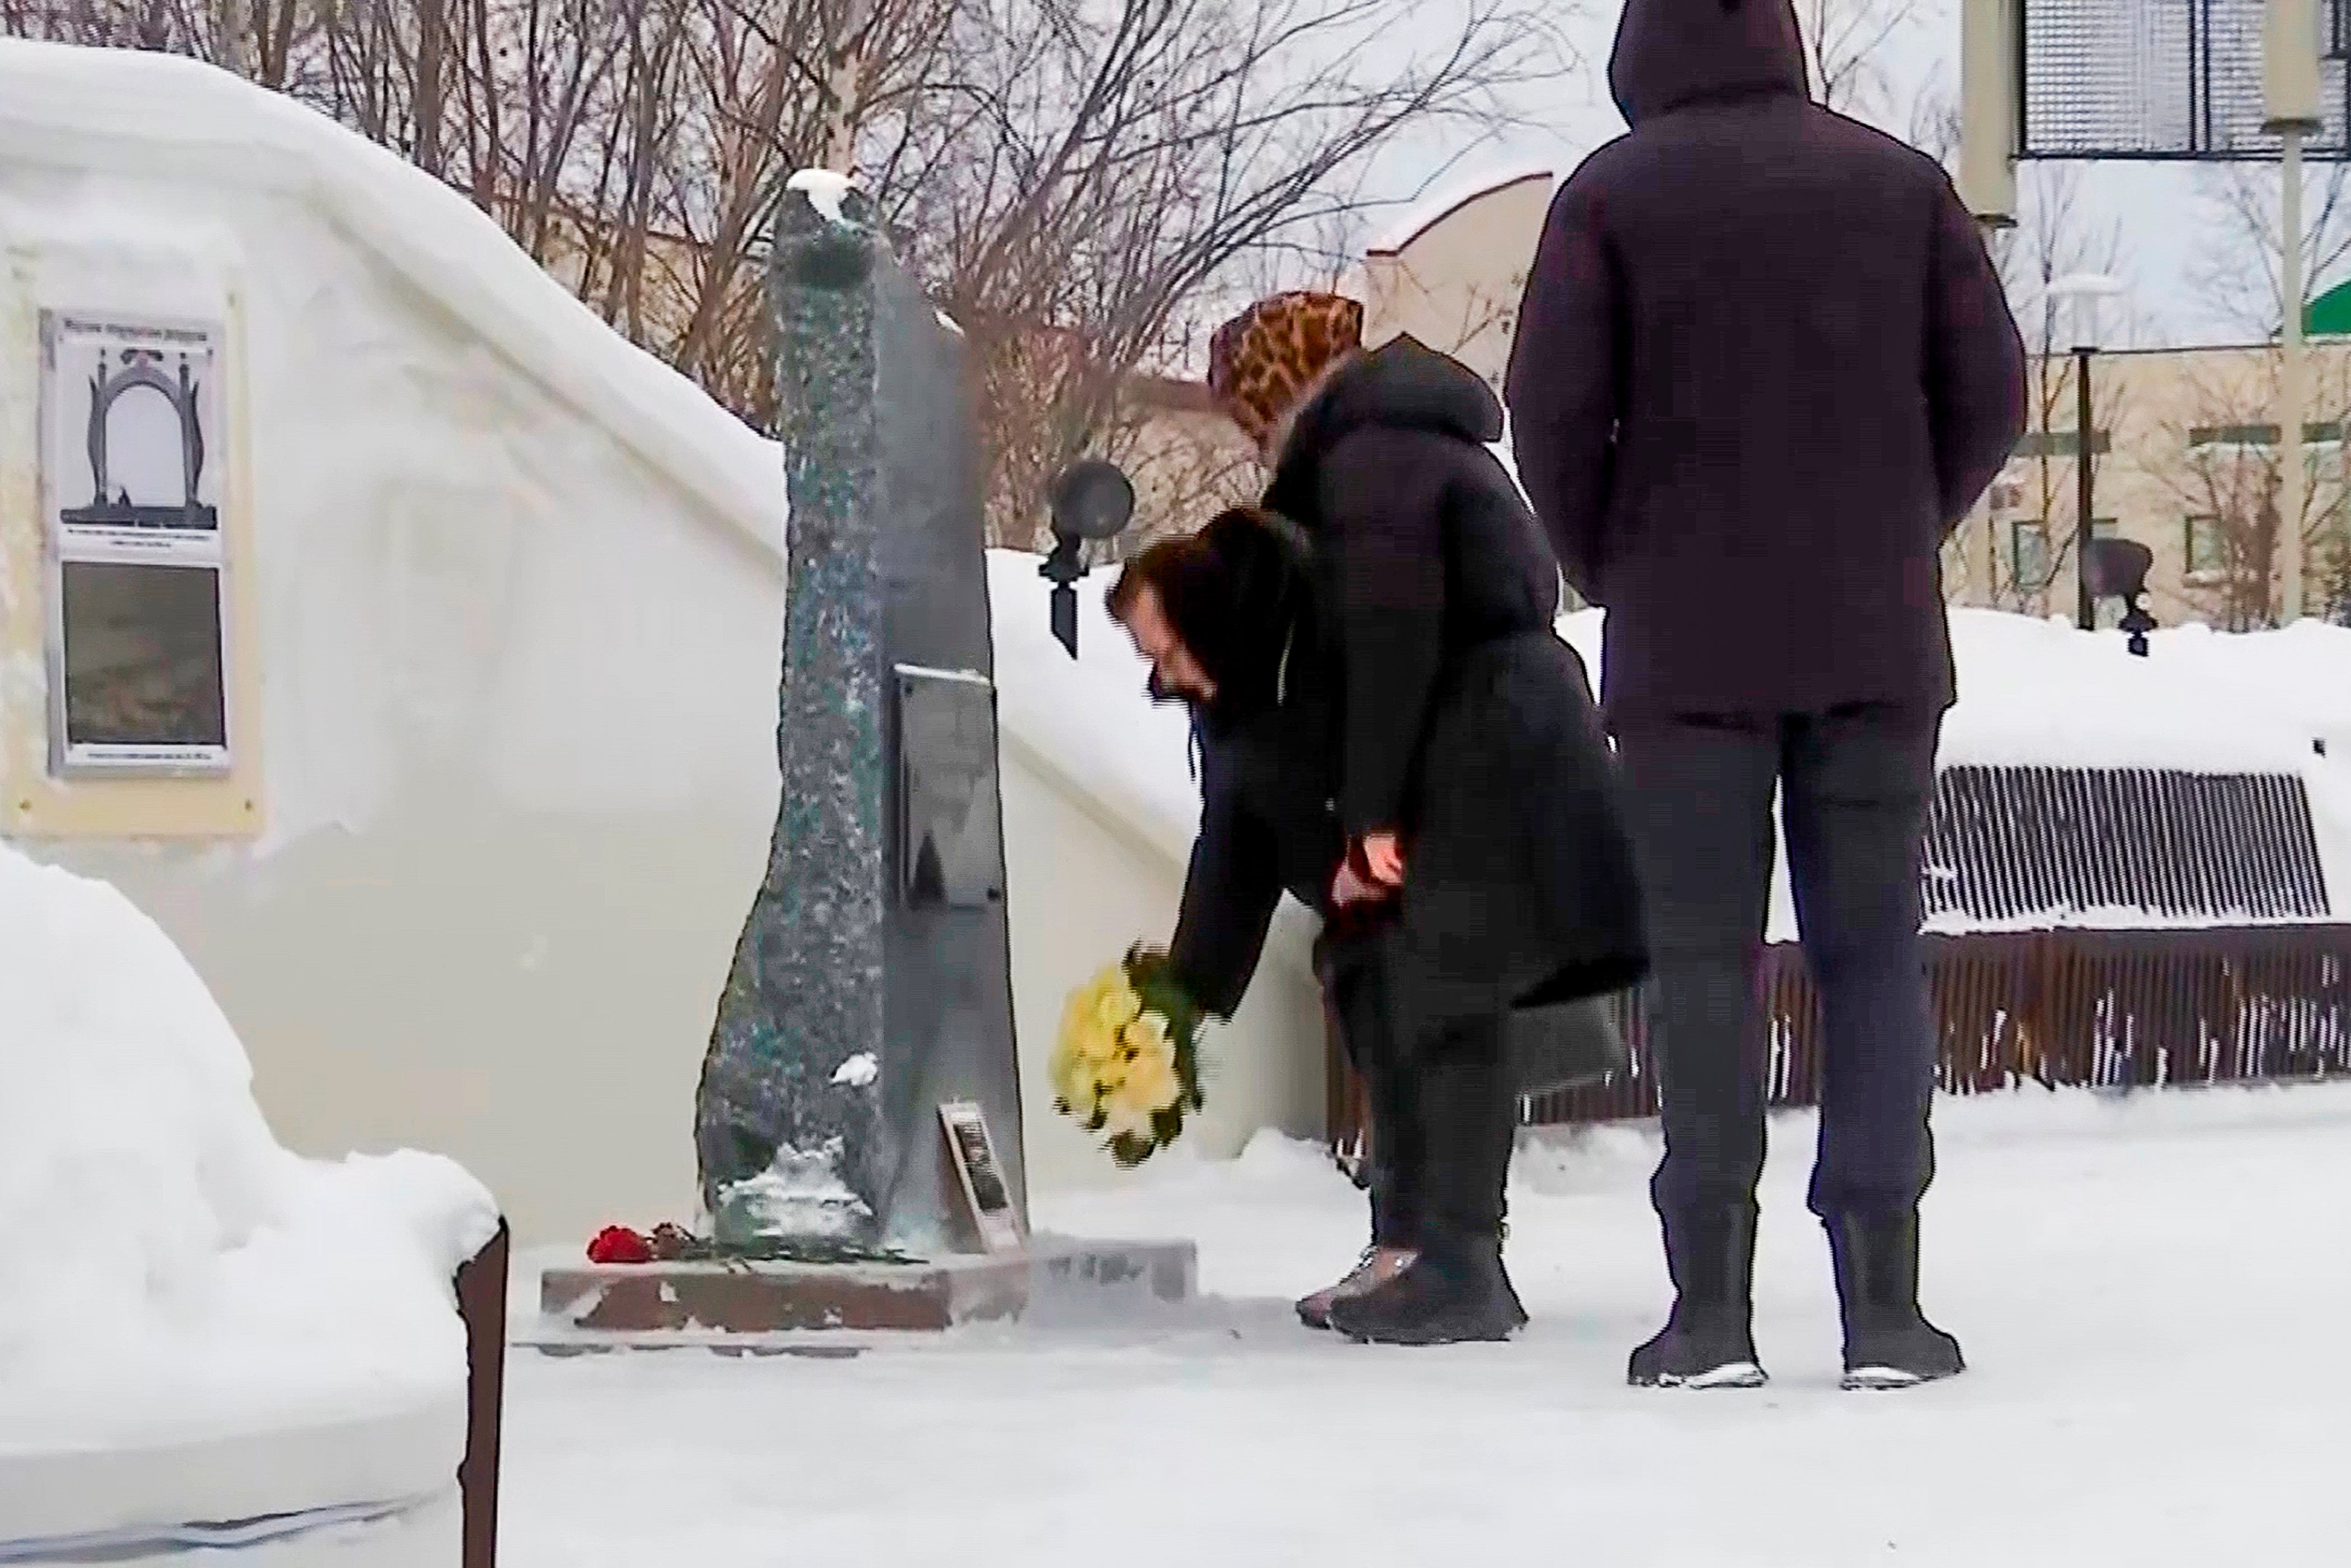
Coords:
1763,368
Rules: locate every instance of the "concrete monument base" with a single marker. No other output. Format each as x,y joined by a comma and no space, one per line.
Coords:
1053,1277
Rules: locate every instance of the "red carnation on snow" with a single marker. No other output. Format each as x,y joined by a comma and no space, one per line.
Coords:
619,1244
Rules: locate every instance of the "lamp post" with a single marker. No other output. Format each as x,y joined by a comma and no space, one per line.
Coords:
2290,98
1091,500
2085,293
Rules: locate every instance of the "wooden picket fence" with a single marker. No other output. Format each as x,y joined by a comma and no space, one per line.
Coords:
2094,1009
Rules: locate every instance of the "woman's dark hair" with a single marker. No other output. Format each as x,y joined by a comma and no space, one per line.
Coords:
1232,592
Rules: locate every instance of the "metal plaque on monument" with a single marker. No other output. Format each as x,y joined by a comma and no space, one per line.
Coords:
871,989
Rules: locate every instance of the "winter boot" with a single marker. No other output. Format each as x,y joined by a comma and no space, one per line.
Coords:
1455,1293
1376,1266
1709,1341
1888,1342
1456,1290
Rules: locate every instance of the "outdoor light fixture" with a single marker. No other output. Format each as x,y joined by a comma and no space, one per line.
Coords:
2117,569
1090,501
2085,296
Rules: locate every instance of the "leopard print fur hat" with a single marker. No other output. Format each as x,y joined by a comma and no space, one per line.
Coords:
1265,358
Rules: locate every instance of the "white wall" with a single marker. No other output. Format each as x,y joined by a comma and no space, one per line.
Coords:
1082,887
1451,274
516,689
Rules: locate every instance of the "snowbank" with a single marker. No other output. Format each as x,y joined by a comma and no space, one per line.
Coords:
2041,693
2300,677
2031,693
175,1276
2036,692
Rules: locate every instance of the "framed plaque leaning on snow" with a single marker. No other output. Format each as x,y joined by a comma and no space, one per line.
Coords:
977,1172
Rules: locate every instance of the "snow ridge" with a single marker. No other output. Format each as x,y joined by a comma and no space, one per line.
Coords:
156,115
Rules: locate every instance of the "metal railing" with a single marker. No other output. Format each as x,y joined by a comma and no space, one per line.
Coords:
2091,1008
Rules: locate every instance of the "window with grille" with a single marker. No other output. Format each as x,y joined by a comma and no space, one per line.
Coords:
2206,549
2314,433
2160,79
2062,443
2028,553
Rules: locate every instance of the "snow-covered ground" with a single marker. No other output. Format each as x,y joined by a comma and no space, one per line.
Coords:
2150,1291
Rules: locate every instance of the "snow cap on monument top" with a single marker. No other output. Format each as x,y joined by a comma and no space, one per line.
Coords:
825,189
1670,53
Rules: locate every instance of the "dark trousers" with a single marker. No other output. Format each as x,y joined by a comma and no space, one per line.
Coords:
1855,785
1443,1115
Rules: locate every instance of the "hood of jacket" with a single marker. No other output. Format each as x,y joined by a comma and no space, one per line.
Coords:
1401,385
1675,52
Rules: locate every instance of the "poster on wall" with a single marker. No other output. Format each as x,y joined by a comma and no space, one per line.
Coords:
133,434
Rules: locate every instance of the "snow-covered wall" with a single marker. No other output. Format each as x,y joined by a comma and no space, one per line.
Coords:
517,784
519,602
519,608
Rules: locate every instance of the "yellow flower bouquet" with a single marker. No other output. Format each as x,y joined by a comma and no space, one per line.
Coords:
1127,1066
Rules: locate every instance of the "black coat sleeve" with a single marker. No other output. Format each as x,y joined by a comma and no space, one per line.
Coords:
1384,496
1562,387
1975,362
1231,892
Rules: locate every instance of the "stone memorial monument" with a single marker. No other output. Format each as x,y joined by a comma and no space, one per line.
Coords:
872,980
871,987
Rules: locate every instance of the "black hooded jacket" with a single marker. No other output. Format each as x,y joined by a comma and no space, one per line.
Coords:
1425,692
1764,366
1424,549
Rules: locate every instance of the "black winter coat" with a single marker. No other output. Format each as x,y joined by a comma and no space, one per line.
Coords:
1268,821
1439,704
1764,366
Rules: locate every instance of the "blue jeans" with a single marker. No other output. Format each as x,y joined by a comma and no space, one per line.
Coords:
1855,787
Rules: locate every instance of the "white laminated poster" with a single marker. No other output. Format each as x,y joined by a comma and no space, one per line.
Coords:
985,1197
132,452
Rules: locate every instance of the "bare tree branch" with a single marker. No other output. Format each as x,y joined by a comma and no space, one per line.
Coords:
2228,474
1082,183
2240,262
1847,43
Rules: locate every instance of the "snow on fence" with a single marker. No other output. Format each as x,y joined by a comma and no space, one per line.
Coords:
2120,847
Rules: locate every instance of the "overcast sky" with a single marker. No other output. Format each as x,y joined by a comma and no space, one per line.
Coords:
2160,208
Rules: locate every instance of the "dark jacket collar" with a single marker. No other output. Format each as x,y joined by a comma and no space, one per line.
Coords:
1672,53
